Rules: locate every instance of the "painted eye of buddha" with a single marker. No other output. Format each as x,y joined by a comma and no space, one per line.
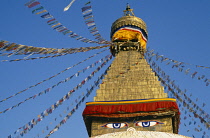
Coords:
148,123
115,125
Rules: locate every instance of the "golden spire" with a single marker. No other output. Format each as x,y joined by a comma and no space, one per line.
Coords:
128,11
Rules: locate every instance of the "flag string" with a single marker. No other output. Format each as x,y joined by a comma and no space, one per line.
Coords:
177,63
167,82
48,111
193,122
52,76
158,70
46,128
96,83
38,9
18,49
57,84
34,58
89,21
180,66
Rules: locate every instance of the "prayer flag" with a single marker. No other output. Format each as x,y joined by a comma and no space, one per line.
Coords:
93,32
95,28
33,4
85,8
90,24
1,45
37,9
84,40
55,25
87,3
63,30
89,20
51,20
5,46
79,38
47,15
99,37
29,2
97,34
73,35
87,17
193,75
87,11
12,47
66,32
41,11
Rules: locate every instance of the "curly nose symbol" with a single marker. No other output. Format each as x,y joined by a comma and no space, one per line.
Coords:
131,129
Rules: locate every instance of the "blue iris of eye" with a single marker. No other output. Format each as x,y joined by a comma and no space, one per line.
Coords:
146,124
116,125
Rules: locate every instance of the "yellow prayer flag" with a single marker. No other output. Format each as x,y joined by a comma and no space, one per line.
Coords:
41,12
56,25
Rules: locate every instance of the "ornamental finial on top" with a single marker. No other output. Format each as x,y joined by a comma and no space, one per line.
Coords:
128,11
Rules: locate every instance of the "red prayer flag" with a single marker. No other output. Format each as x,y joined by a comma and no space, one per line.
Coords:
1,44
33,4
51,20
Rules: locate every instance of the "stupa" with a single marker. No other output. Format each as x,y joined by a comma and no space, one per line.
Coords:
131,101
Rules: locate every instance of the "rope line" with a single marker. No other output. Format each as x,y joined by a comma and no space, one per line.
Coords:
90,23
96,83
18,49
48,111
54,23
52,76
167,82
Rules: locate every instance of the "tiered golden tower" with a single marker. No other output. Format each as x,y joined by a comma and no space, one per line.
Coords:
130,96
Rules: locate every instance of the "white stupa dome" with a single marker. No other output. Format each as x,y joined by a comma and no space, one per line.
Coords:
132,133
